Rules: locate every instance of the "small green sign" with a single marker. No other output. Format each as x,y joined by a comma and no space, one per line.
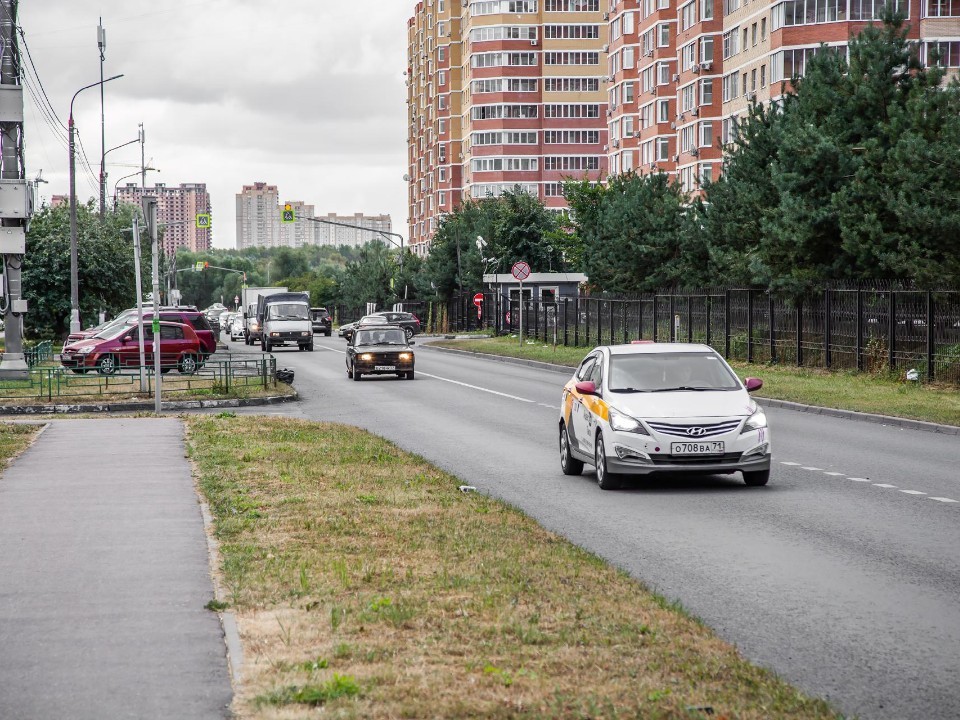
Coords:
198,267
203,221
288,216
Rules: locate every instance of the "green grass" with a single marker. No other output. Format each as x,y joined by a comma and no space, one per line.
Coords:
365,585
845,390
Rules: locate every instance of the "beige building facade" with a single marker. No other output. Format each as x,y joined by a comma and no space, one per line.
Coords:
258,216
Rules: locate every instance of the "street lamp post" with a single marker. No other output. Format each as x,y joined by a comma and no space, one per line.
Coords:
103,174
74,280
116,185
102,45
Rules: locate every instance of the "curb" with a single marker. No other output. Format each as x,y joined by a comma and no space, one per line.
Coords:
903,423
146,406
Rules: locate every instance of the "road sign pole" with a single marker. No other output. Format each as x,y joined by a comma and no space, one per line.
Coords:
520,309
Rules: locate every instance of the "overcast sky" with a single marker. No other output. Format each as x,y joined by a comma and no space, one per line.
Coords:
307,95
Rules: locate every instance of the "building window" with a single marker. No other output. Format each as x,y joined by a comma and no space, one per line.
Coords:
706,50
706,134
706,92
663,149
688,15
763,76
706,10
663,111
663,35
943,8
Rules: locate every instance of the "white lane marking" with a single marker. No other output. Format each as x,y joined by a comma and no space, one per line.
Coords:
551,407
913,492
791,463
859,479
811,468
835,474
884,485
944,500
476,387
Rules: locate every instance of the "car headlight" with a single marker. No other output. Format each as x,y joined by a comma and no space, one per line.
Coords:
366,356
405,356
755,422
305,332
624,423
87,350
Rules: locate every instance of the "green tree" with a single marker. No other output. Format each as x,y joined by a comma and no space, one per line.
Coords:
105,268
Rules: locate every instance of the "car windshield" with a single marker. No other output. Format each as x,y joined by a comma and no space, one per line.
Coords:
287,311
386,336
115,330
666,372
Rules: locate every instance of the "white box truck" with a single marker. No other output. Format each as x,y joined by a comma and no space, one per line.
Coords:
284,319
251,327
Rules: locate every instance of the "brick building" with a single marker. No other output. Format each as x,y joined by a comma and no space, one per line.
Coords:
177,210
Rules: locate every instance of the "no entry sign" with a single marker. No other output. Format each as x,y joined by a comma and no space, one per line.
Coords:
521,270
478,299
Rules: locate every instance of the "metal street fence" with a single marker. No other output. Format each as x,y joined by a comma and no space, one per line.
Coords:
216,377
868,330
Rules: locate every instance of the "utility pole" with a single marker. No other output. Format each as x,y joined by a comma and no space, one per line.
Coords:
102,44
17,205
150,213
143,163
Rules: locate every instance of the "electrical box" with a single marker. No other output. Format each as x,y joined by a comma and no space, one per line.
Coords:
16,199
19,307
11,103
13,241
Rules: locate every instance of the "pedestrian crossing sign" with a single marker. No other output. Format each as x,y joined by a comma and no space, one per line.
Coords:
288,215
203,221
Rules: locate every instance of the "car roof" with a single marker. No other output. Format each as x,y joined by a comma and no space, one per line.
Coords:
654,348
381,326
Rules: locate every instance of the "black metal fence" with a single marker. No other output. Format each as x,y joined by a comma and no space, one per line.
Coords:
855,329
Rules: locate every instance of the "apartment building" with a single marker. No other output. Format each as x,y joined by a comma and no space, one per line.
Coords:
177,211
502,94
258,216
684,71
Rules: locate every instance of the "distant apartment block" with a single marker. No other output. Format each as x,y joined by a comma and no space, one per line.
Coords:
530,92
329,234
258,216
502,94
177,211
259,222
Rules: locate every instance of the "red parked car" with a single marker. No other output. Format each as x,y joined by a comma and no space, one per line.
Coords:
118,348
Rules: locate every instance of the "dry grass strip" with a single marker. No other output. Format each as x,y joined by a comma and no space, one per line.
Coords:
367,586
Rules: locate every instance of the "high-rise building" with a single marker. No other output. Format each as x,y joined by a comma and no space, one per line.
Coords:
502,94
531,92
177,211
258,216
368,228
683,73
302,231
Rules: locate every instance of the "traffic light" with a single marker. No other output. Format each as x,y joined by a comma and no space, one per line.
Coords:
206,265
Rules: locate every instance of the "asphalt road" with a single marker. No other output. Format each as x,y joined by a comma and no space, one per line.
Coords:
842,575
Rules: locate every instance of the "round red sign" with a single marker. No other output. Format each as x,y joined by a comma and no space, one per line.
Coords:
521,270
478,299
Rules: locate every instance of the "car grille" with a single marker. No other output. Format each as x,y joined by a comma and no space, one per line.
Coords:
690,431
694,460
382,358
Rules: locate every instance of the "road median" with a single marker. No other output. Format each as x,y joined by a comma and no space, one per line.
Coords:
367,581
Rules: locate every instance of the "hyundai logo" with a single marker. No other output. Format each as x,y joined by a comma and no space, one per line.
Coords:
696,431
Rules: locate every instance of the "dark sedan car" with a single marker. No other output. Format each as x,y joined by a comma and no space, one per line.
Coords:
379,350
321,320
408,322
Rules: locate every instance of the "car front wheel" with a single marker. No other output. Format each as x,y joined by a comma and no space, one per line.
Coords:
757,478
606,480
568,463
408,332
107,365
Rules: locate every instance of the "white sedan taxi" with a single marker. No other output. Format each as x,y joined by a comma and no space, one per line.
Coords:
664,408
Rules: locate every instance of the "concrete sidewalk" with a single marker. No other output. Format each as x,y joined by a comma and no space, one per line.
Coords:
104,575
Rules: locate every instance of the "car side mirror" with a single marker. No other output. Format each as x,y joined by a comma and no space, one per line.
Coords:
587,387
411,343
752,384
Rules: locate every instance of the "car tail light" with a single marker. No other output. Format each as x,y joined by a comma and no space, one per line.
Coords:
416,318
